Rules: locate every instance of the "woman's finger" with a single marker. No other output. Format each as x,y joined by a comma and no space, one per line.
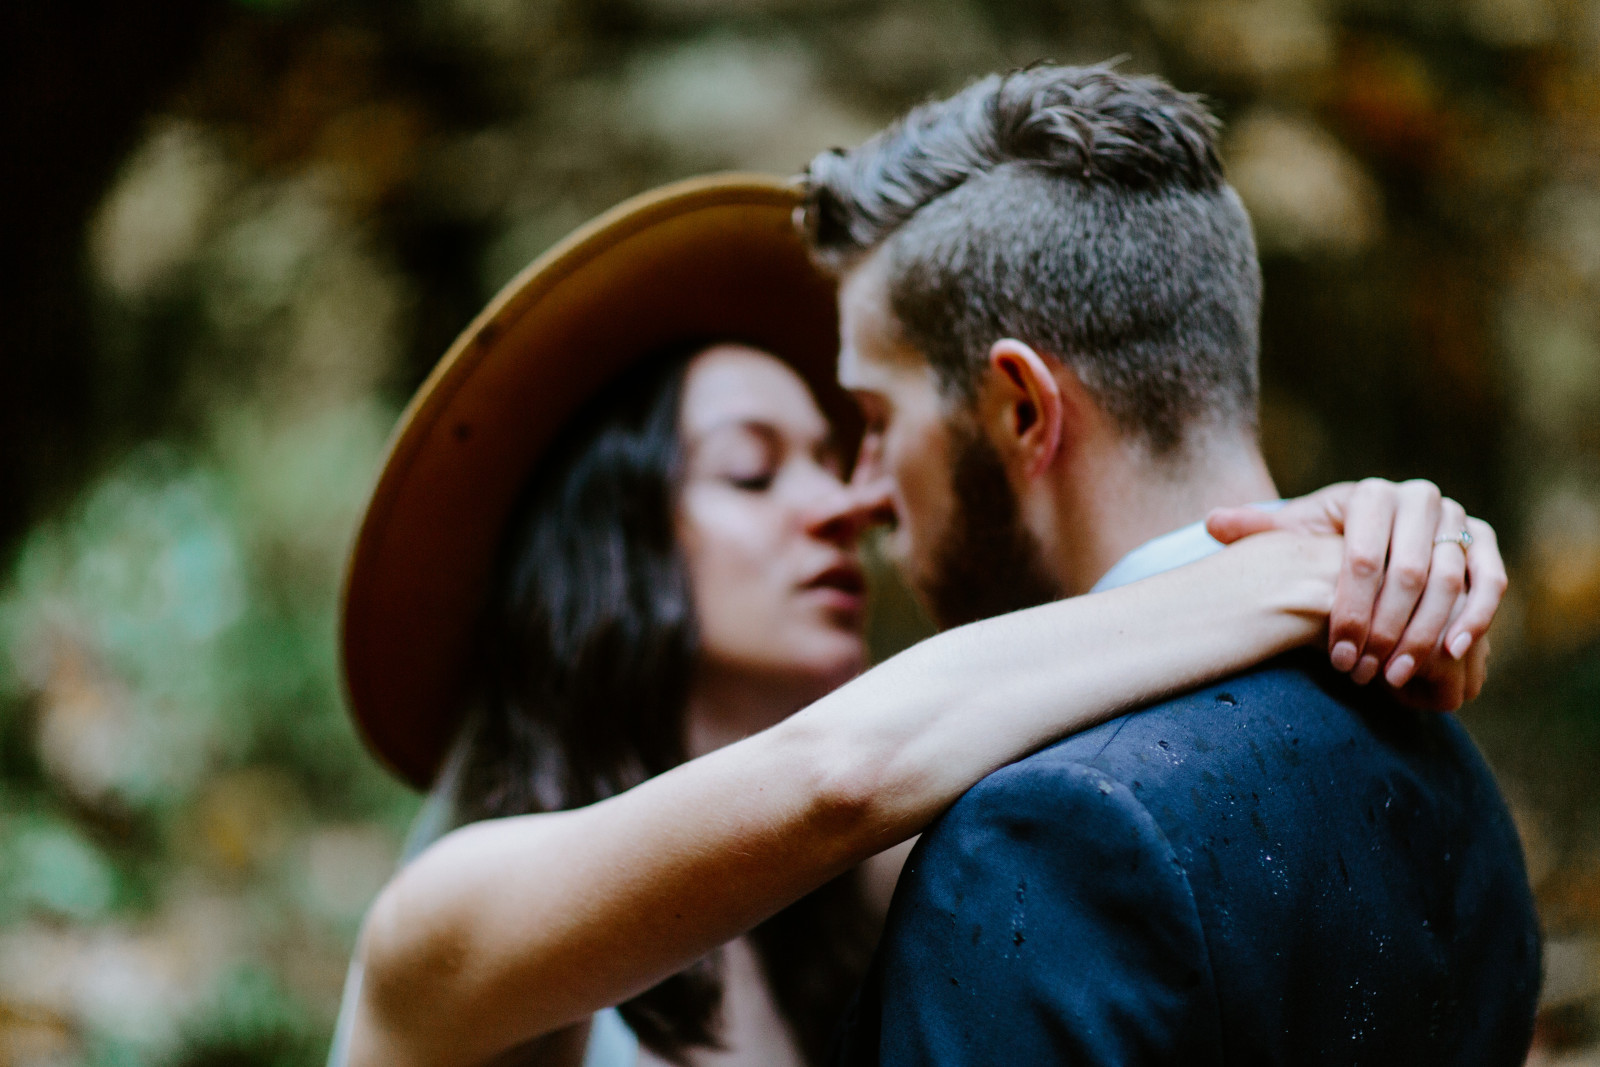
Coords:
1486,585
1369,521
1230,524
1441,599
1321,512
1405,578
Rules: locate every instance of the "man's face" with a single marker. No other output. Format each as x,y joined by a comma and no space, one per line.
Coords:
958,537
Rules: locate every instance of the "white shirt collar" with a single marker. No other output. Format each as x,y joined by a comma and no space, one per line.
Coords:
1183,545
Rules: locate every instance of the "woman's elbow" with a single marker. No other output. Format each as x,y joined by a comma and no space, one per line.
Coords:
383,948
408,968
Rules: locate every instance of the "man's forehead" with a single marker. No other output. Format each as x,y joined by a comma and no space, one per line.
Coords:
868,361
870,339
862,286
849,365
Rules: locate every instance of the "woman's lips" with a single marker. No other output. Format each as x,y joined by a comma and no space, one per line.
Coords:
842,585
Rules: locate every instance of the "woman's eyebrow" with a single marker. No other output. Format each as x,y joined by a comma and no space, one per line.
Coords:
773,437
828,446
775,433
766,436
758,427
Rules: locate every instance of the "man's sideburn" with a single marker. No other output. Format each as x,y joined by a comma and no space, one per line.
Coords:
986,561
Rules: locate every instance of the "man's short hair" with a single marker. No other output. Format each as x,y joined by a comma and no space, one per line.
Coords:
1077,209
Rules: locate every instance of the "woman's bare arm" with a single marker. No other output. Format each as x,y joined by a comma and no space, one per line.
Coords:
515,927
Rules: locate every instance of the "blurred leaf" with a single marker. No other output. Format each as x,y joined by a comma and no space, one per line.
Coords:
47,866
250,1020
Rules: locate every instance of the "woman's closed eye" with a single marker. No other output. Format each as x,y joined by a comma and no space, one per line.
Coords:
741,455
755,482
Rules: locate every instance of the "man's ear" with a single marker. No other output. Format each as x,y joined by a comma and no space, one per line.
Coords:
1030,402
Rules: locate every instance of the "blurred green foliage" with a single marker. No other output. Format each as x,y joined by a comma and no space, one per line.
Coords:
189,828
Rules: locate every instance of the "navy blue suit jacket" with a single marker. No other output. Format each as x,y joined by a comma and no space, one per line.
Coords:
1282,869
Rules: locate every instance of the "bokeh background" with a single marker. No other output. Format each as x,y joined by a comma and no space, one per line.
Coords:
240,233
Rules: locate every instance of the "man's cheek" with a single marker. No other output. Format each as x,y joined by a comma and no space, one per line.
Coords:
896,543
912,548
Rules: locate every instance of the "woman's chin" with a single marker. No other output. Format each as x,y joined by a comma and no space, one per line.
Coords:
849,660
806,662
829,660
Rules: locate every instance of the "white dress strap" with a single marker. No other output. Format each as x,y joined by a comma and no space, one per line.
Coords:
611,1043
339,1051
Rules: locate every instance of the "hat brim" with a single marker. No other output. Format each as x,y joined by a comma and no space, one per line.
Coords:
714,258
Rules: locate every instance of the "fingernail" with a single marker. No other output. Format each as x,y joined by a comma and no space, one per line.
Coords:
1399,672
1344,656
1459,645
1365,671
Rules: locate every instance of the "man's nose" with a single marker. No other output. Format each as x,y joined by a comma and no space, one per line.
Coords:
856,507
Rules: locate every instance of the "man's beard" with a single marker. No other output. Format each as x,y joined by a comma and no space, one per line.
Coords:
986,561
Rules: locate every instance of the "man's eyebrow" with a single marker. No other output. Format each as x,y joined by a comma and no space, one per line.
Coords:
865,398
829,445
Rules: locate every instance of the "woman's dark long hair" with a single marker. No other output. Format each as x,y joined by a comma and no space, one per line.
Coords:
588,652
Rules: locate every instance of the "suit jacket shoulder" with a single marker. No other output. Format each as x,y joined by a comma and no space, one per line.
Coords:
1008,935
1278,869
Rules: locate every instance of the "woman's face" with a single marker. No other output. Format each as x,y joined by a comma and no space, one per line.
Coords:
768,528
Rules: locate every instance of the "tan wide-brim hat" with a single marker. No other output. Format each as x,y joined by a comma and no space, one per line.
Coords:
715,258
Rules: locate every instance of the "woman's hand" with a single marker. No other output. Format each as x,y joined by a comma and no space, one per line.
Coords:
1411,598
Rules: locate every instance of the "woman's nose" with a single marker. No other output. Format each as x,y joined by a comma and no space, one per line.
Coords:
852,509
